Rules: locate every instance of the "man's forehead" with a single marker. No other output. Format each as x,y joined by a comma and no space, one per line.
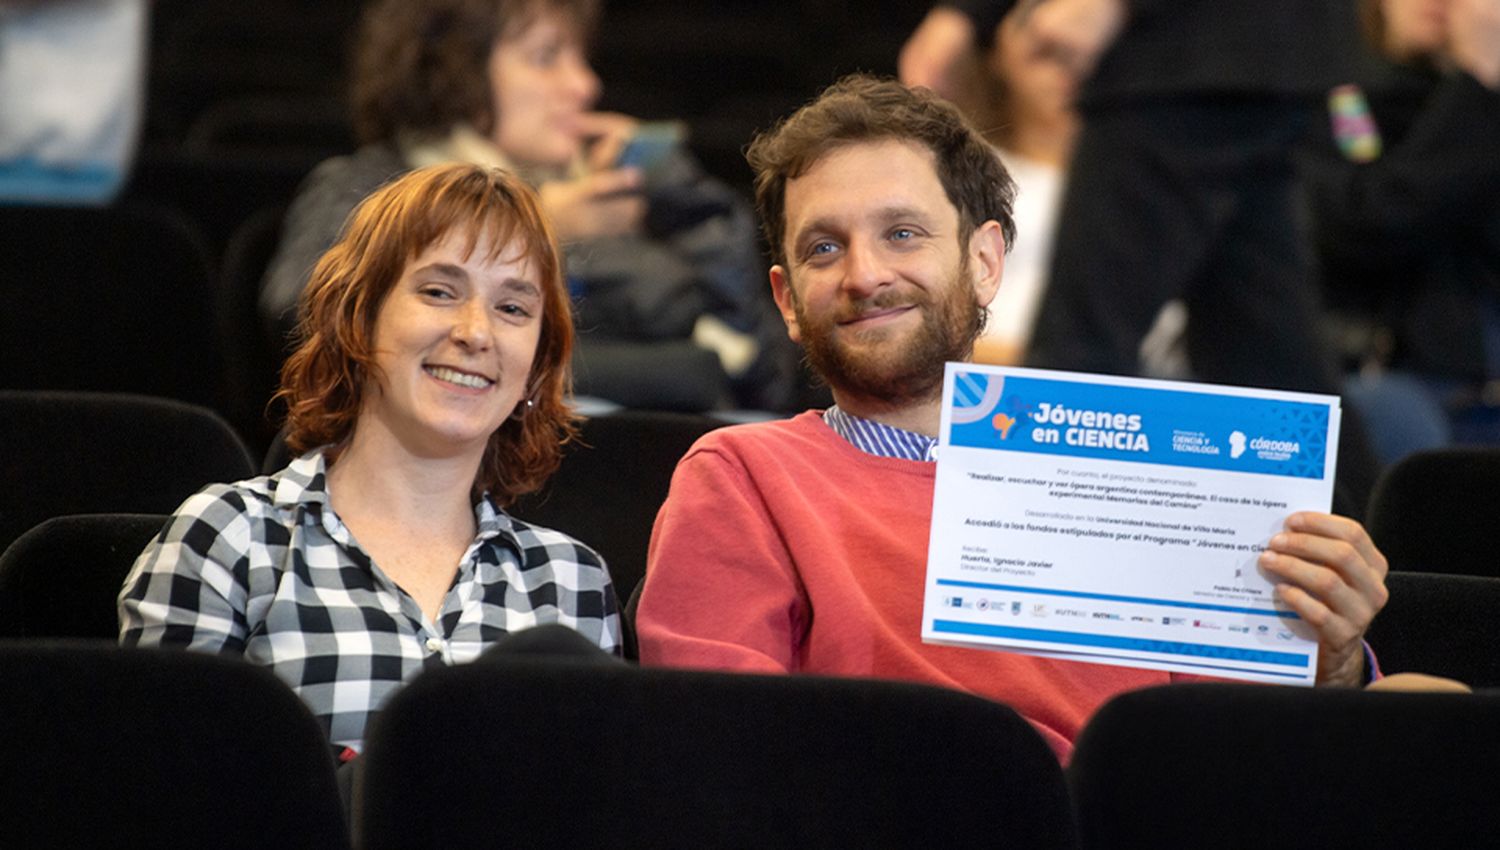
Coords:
866,179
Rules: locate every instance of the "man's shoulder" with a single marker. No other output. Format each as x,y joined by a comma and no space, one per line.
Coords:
805,431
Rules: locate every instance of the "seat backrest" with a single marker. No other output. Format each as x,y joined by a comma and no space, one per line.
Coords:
61,578
648,374
156,748
253,359
630,642
204,51
609,487
286,125
116,299
1432,511
73,453
1258,766
566,754
1445,625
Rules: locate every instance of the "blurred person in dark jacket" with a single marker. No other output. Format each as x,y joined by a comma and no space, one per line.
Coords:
1404,187
1182,186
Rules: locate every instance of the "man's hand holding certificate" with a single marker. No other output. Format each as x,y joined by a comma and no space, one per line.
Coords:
1149,524
1330,573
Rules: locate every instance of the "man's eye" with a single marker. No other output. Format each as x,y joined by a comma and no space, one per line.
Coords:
902,233
821,248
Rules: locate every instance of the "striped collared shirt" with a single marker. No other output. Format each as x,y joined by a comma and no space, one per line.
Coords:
873,438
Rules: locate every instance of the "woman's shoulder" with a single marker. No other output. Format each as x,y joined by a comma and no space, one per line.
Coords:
262,497
543,547
218,524
240,523
222,500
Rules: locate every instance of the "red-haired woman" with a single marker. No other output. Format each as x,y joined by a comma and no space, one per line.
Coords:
426,394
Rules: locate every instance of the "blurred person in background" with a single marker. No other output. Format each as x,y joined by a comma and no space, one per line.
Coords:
661,259
72,92
1022,96
1182,186
1027,112
1404,187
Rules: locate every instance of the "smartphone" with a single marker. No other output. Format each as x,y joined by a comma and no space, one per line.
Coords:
652,143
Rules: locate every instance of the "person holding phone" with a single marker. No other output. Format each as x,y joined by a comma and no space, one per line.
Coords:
661,259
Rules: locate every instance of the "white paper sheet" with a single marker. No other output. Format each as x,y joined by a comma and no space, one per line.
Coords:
1118,521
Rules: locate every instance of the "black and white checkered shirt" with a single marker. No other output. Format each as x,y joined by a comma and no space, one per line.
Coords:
266,569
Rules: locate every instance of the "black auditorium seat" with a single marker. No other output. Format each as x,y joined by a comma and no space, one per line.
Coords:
1247,766
108,747
71,453
543,752
61,578
1440,624
1433,511
116,299
611,484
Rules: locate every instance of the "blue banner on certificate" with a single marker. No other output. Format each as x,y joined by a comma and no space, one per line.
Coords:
1118,521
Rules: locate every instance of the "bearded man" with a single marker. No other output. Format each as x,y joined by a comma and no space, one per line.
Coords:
801,545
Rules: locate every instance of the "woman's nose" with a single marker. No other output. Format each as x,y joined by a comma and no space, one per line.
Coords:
472,328
582,82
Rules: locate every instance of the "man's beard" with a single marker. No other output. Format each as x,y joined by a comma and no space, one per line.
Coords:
892,372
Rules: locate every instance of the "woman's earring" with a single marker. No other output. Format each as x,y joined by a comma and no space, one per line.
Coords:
520,412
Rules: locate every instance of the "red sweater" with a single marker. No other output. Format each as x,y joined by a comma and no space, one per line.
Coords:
782,548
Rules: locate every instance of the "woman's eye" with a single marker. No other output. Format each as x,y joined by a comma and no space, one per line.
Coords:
514,310
435,292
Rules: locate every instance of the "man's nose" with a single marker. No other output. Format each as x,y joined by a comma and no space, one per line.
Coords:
865,269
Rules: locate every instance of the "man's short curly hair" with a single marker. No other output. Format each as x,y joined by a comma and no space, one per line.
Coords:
861,108
422,66
325,380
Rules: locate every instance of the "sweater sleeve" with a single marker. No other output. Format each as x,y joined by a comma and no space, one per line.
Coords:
722,591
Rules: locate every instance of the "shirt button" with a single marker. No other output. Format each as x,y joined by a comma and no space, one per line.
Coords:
434,645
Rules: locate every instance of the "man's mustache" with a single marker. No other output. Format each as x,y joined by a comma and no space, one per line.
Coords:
882,301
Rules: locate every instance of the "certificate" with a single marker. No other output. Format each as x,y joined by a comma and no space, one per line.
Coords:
1118,521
